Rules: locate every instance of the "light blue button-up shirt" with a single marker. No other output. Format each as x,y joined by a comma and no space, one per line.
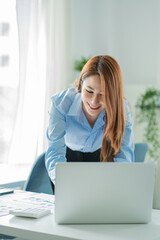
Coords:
69,127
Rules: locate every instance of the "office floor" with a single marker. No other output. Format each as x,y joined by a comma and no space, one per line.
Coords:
5,237
13,173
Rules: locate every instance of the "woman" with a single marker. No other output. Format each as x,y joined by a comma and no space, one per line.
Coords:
92,121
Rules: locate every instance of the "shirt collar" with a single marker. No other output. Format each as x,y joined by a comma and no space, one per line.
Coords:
101,120
76,106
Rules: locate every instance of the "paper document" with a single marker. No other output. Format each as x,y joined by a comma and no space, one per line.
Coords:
22,200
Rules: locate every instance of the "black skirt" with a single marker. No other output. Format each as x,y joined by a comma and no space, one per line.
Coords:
77,156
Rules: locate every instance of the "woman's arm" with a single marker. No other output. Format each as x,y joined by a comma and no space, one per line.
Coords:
56,150
126,153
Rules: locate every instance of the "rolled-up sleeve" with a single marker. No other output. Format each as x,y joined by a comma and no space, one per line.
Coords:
126,153
56,148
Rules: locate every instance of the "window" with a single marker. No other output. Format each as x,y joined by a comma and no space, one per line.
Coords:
9,74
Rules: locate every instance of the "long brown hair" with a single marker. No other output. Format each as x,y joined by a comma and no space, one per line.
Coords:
112,86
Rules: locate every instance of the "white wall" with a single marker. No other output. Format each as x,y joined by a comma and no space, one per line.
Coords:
127,30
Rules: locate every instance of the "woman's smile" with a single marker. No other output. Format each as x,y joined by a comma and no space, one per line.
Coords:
93,107
92,98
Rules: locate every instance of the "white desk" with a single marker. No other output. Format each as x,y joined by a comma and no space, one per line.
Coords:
46,229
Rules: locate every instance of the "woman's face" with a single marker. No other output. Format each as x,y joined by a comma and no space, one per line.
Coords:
92,97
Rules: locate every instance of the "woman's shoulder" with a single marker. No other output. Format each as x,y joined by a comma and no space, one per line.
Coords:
127,112
126,105
64,99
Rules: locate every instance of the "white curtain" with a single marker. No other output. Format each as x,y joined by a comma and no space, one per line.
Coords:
43,48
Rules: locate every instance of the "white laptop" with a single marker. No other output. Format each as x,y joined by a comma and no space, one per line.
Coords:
103,192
